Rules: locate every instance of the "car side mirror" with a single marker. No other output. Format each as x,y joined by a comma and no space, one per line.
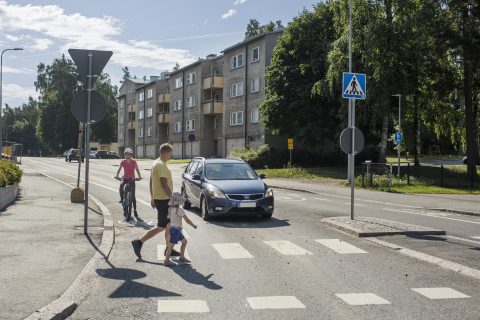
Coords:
196,177
262,176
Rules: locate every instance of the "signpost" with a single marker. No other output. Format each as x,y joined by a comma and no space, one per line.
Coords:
90,64
397,139
290,148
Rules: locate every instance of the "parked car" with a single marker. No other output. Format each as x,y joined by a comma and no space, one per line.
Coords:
226,186
465,160
65,153
73,154
92,154
102,154
113,155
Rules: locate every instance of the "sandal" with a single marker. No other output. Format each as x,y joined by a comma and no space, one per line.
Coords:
168,263
184,260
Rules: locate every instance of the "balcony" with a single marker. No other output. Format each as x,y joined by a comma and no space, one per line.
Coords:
213,82
164,98
131,125
163,118
213,107
132,108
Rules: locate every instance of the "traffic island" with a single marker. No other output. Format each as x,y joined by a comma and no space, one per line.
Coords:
374,227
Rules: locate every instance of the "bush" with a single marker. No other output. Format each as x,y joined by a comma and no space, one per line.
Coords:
10,173
257,157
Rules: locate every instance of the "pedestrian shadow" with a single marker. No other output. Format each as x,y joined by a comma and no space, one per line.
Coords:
130,288
249,222
188,273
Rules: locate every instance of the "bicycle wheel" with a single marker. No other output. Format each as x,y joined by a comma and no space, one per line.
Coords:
129,208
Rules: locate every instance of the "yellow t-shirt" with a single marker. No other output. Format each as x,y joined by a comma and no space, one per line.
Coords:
160,170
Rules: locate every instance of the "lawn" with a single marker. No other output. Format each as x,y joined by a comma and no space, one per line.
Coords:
315,173
423,158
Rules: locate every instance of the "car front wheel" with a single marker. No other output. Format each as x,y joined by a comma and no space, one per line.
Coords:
204,209
187,205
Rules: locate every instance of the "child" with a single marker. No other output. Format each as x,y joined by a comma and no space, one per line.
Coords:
129,166
176,214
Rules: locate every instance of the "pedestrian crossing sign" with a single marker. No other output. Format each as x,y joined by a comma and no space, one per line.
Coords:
354,85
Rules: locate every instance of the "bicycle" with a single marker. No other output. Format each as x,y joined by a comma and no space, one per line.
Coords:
127,201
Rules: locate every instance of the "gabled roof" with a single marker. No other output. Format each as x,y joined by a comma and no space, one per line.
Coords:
278,30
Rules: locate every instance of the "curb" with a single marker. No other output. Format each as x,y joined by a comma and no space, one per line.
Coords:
464,212
68,302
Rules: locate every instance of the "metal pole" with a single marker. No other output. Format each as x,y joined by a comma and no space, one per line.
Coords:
291,164
87,142
80,138
349,174
399,130
352,165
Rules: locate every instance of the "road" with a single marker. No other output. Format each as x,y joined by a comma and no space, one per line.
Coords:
288,267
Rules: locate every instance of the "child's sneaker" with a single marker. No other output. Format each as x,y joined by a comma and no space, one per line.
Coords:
183,260
169,263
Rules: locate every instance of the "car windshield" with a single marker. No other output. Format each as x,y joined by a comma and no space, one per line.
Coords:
229,171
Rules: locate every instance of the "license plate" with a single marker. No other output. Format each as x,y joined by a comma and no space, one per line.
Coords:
248,204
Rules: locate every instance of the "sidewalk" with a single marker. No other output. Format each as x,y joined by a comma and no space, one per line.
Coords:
42,249
463,203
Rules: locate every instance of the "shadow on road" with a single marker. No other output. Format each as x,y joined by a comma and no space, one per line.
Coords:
249,222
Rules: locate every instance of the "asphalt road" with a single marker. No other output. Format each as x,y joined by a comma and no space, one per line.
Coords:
286,267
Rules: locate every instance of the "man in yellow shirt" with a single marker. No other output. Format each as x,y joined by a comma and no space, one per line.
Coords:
161,186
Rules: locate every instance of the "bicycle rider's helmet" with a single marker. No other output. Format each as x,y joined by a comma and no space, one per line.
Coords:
128,150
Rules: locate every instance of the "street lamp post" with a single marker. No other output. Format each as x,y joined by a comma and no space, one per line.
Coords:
1,87
399,129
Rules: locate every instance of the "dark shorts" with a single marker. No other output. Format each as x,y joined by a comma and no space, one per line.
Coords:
176,235
162,213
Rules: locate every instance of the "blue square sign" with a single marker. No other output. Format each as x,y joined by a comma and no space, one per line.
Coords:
354,85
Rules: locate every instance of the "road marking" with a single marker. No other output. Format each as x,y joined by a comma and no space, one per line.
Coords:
357,204
275,302
435,214
463,239
161,250
440,293
182,306
427,215
475,238
287,248
361,299
232,251
289,197
185,234
323,199
340,246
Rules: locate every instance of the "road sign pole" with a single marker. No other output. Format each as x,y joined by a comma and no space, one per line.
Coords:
87,143
349,173
291,158
352,165
399,130
80,138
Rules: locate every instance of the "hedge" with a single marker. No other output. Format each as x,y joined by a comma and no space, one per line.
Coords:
10,173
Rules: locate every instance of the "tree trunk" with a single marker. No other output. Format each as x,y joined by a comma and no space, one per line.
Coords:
383,144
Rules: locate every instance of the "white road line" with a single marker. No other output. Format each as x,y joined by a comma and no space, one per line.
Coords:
361,299
440,293
287,248
232,251
357,204
182,306
323,199
275,302
427,215
475,237
161,250
185,234
463,239
340,246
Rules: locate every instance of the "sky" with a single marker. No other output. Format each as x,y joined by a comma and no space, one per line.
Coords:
148,36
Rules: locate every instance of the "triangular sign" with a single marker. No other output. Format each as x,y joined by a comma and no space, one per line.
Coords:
99,61
354,88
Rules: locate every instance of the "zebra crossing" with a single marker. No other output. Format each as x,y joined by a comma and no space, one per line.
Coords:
232,251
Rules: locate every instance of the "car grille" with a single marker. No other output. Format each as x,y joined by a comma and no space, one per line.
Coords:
246,196
257,210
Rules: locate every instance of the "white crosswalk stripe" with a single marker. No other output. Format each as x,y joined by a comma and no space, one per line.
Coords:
476,238
361,299
275,302
440,293
183,306
340,246
287,248
232,251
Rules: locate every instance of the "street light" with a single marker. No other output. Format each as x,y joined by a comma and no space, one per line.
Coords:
1,87
399,128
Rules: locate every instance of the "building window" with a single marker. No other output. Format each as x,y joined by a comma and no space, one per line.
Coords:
255,116
140,114
236,118
149,131
237,61
120,135
149,112
256,54
120,120
122,104
141,96
236,90
255,85
191,78
255,139
178,105
140,133
190,125
178,127
178,83
150,93
215,123
190,103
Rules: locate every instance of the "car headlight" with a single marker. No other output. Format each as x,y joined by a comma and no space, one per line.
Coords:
269,193
216,194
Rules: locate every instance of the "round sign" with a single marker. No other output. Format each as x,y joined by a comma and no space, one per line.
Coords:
98,106
346,141
191,137
398,137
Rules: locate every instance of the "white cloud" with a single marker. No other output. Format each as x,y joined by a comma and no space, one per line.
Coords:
7,69
79,31
13,91
14,38
239,2
230,13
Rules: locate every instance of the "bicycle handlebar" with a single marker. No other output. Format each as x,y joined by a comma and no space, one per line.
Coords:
121,179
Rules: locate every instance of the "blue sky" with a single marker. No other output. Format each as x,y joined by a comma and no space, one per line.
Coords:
148,36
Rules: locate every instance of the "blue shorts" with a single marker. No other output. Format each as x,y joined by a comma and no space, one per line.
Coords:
176,235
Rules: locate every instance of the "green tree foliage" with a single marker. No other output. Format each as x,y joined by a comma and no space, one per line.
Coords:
254,28
105,131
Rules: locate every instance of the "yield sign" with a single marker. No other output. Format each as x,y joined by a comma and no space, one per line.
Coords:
354,85
99,61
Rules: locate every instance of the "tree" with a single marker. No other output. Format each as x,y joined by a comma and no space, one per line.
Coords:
254,28
105,130
126,74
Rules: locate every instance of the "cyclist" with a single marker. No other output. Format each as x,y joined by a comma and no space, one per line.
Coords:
129,166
